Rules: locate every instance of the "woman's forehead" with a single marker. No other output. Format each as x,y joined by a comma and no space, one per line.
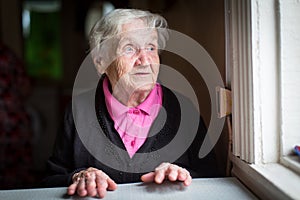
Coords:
137,31
139,38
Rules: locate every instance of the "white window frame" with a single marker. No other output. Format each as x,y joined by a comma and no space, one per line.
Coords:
290,83
254,52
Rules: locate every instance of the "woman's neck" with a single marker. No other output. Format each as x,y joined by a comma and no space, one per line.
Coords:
132,100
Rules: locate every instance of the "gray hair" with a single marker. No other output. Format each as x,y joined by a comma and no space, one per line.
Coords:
110,25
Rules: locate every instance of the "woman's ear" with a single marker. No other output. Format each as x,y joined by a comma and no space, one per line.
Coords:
98,62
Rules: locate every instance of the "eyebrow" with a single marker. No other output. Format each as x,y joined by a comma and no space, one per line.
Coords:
125,40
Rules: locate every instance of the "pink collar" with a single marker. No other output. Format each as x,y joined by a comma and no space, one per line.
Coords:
116,109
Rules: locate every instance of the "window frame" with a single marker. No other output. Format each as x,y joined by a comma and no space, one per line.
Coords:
253,57
289,71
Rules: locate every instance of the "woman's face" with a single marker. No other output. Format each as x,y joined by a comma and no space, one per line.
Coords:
136,66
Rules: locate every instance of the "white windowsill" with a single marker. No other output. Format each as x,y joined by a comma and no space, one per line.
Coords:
267,181
291,162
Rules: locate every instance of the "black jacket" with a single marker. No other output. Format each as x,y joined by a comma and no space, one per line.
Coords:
99,145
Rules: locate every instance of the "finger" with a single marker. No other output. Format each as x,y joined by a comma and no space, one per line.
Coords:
90,181
81,190
111,184
160,172
149,177
173,172
188,181
101,182
184,175
159,176
72,188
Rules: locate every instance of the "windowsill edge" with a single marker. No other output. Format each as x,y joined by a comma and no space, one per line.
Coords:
267,181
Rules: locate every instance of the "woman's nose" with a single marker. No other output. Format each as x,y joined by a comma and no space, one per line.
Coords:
142,58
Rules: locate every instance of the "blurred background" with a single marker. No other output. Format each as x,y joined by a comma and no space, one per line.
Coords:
44,42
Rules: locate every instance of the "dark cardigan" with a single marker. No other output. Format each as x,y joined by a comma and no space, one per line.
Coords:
70,154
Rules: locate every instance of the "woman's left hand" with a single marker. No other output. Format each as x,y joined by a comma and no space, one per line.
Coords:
168,171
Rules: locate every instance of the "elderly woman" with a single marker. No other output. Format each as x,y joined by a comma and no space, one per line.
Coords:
128,104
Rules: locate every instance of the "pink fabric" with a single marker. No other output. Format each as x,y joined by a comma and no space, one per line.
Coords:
133,123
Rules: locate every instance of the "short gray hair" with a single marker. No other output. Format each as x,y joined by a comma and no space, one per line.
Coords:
110,25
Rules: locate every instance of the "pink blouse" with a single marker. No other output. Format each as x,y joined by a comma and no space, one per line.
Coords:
133,123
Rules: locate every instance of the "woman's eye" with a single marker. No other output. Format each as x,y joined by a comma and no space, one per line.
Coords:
129,50
150,48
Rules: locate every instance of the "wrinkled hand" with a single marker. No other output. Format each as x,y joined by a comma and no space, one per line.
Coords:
168,171
91,182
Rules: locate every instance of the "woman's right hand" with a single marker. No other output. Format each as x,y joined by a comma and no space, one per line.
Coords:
91,182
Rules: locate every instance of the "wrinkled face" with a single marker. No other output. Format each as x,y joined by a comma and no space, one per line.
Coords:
137,62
